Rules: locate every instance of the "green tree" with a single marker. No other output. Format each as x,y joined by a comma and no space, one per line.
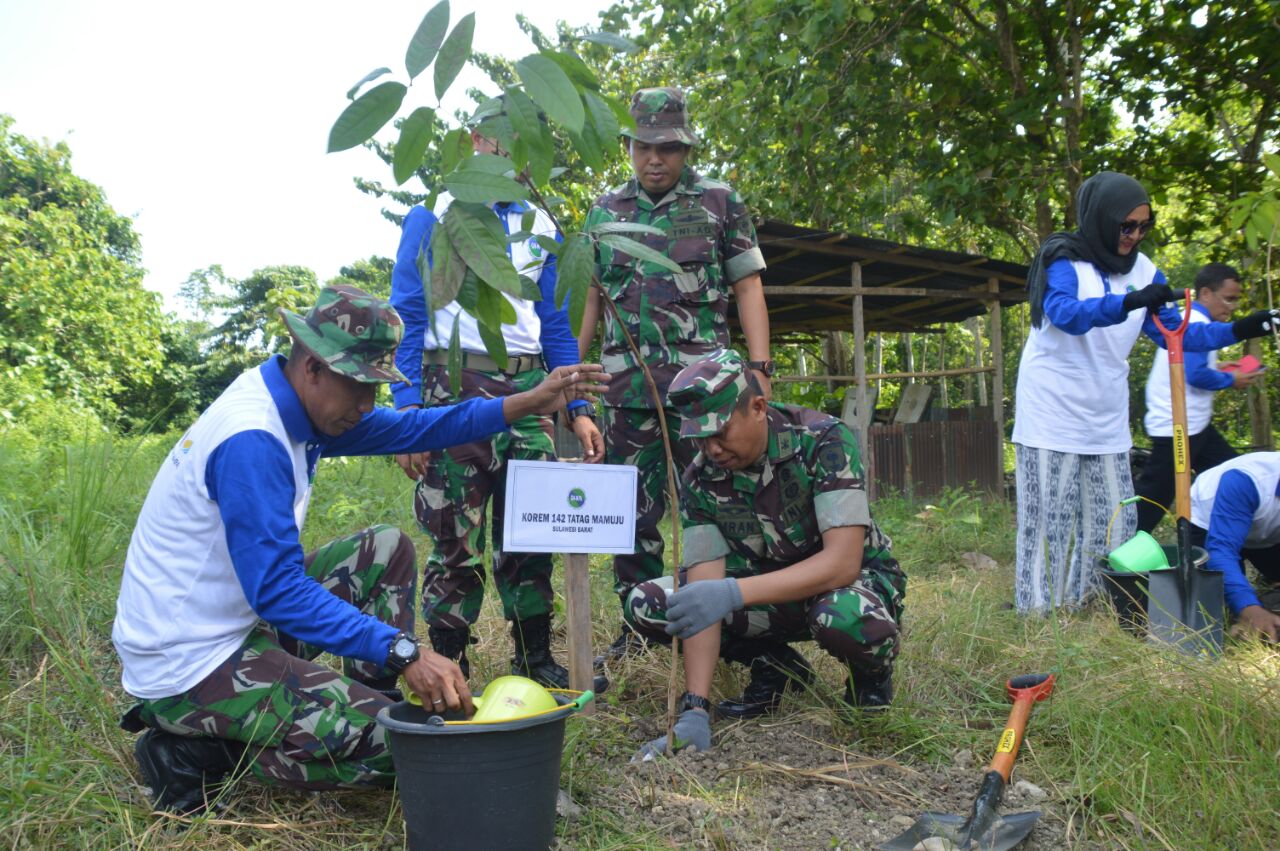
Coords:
76,324
373,275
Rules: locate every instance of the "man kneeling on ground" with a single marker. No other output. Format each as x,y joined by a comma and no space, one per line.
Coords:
220,613
1235,514
776,494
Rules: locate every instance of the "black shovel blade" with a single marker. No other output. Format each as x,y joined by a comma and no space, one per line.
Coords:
1003,833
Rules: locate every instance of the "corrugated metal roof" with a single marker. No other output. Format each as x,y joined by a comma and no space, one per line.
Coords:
813,263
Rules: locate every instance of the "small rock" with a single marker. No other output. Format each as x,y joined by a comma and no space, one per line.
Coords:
962,758
657,810
565,807
978,561
1030,790
901,822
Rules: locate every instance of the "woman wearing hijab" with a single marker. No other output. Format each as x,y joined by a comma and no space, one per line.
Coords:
1091,292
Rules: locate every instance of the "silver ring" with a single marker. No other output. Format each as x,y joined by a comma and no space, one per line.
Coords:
434,702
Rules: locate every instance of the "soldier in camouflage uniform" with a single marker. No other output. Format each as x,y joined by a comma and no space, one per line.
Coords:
455,486
676,319
779,546
220,613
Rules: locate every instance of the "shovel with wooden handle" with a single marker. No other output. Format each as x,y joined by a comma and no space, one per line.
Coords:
1185,603
985,829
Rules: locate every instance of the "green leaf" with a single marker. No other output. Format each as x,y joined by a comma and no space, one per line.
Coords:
455,148
426,41
469,292
639,251
415,133
588,146
423,263
556,172
622,112
490,108
612,40
550,87
626,227
489,164
455,358
601,117
494,343
454,53
573,280
529,290
573,65
448,269
548,244
518,236
484,188
533,132
528,220
1272,162
365,116
477,235
372,75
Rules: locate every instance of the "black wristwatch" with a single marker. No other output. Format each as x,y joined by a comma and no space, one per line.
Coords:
403,653
768,367
587,410
689,700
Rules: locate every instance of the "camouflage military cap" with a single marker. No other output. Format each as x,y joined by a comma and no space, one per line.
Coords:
706,393
355,333
660,117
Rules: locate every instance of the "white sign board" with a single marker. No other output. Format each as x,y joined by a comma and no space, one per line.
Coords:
556,507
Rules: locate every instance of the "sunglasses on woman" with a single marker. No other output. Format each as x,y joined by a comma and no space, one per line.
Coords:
1128,226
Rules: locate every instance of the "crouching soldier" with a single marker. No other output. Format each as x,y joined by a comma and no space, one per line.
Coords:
779,546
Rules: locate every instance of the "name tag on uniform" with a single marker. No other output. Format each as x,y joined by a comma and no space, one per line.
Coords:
558,507
691,224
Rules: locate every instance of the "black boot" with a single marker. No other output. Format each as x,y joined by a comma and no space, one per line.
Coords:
452,644
775,667
869,689
184,772
628,643
533,659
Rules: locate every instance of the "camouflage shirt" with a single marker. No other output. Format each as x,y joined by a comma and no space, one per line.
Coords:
773,514
675,319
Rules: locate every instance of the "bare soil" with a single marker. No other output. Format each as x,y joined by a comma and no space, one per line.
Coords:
790,783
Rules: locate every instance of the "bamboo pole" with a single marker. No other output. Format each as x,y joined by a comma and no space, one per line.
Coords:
860,370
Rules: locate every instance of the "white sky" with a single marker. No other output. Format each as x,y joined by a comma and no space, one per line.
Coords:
208,123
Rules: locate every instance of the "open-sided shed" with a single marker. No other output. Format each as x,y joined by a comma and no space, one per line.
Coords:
821,281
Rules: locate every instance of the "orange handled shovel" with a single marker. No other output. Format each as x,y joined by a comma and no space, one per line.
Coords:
985,829
1185,605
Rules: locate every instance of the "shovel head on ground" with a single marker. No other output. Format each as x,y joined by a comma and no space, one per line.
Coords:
1001,834
1185,605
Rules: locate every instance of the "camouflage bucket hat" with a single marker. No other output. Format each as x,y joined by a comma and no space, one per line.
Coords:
355,333
706,393
660,117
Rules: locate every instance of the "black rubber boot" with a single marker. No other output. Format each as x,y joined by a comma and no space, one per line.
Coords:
184,772
533,659
452,644
628,643
775,667
869,689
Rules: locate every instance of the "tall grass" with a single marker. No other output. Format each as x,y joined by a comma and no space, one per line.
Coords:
1147,748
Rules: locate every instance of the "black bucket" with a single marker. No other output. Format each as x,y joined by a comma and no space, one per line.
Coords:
1128,589
476,785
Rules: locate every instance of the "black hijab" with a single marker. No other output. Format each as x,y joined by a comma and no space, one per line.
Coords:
1102,203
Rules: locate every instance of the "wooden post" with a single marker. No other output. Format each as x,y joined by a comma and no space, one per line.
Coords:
997,378
910,354
577,595
860,370
1262,439
577,588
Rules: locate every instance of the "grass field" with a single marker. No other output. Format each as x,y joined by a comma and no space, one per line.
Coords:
1138,748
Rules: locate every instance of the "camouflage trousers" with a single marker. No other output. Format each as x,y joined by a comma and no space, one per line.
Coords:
450,503
634,436
306,726
857,624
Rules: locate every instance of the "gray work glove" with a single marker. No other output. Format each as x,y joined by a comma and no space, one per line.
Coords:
692,730
1150,297
1256,324
699,604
